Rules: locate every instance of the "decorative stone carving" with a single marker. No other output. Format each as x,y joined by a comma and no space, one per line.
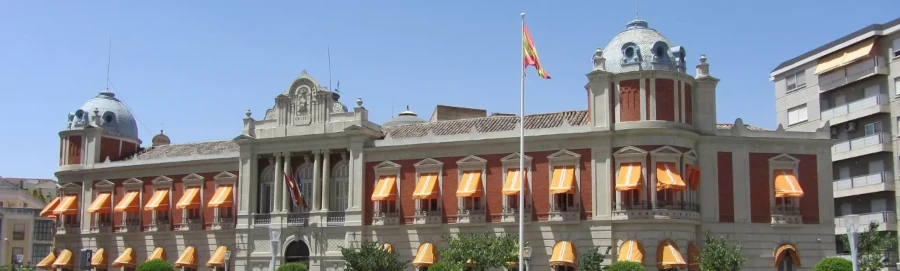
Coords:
599,60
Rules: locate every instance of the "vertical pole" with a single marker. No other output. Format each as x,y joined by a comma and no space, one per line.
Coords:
851,234
522,154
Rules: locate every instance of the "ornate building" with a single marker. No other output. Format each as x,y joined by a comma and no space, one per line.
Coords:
644,170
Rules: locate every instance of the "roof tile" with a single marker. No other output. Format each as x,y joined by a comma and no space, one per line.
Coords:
487,124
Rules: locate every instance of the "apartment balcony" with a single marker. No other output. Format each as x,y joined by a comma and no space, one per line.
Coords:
643,210
864,184
852,73
262,219
221,223
129,225
335,218
297,220
887,221
102,227
565,214
159,225
430,218
70,227
191,224
860,146
385,219
857,109
511,215
786,215
470,216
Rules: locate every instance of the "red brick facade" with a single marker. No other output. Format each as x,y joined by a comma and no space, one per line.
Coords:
630,100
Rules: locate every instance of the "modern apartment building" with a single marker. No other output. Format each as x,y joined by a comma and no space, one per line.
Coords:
22,230
851,86
643,168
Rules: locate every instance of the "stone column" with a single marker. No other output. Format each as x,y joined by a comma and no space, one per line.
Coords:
326,178
317,180
279,183
288,171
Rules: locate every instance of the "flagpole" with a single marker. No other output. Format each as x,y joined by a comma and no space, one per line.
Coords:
522,154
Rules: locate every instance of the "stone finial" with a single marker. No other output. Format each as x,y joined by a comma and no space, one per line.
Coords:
599,60
95,119
359,102
703,67
248,113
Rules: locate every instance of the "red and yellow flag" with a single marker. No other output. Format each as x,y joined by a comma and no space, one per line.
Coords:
530,53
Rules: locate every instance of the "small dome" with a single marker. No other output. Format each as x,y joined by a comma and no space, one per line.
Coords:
405,117
640,47
160,139
114,115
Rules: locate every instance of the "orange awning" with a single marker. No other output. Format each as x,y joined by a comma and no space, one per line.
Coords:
514,181
470,184
222,198
693,253
668,256
48,210
188,258
68,205
386,188
218,258
100,204
786,184
47,262
426,188
157,254
667,177
631,251
846,56
563,181
159,201
425,256
563,254
692,174
125,259
787,249
129,202
387,247
629,177
64,260
190,199
99,260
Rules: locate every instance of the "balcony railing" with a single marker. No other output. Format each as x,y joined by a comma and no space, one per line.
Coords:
102,226
385,218
468,216
191,224
854,106
427,218
129,225
786,214
866,219
221,223
512,214
562,213
863,180
298,220
858,143
656,210
159,225
262,219
70,227
20,211
854,72
335,218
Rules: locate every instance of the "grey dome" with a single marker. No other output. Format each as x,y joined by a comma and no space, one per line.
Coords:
640,47
115,118
160,139
405,117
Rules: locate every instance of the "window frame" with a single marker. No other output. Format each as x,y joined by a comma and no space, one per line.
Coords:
895,50
564,158
339,189
798,109
428,166
388,168
225,178
266,180
512,162
40,231
664,154
793,77
72,189
105,186
783,162
471,163
134,184
17,232
306,169
690,158
38,253
190,181
163,182
628,155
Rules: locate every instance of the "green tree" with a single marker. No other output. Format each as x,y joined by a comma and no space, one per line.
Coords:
719,254
625,266
155,265
291,267
371,257
480,251
446,266
871,247
38,195
834,264
592,260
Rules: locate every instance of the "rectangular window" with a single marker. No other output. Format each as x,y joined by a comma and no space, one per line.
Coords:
429,205
132,218
387,206
15,252
797,114
564,201
225,212
873,128
472,203
19,232
266,199
43,230
796,80
896,48
104,219
162,216
38,252
193,213
897,86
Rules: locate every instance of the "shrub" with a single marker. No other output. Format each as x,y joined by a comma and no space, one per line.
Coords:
155,265
834,264
293,267
625,266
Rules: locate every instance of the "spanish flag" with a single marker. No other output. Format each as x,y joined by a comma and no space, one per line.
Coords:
529,52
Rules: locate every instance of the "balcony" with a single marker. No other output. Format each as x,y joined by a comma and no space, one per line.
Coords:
385,219
129,225
262,219
860,146
887,221
426,218
159,225
221,223
511,215
786,215
857,109
335,218
102,227
70,227
470,216
191,224
656,210
855,72
565,214
298,220
864,184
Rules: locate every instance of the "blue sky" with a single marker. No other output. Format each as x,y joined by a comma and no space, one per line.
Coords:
197,66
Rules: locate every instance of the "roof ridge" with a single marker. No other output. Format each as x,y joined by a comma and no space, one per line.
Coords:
489,117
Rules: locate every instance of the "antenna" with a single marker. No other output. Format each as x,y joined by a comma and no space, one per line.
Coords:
636,9
392,107
329,68
108,62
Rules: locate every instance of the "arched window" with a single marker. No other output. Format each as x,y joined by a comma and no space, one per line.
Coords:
631,53
660,52
787,264
305,177
340,175
266,190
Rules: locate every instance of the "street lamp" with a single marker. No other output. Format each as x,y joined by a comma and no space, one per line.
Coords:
274,237
227,259
850,223
526,254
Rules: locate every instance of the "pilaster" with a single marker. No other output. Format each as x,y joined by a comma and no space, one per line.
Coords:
643,92
87,197
599,93
601,159
741,184
279,183
824,170
326,178
246,174
652,91
709,184
317,181
288,171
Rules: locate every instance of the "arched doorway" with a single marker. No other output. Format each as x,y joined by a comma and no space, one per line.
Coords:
297,252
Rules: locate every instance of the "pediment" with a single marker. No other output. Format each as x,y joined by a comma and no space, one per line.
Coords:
429,162
666,150
471,159
691,154
105,183
630,150
70,186
225,175
784,158
515,157
133,180
192,177
162,180
387,165
565,154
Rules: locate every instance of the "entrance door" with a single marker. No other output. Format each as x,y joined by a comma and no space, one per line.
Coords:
297,252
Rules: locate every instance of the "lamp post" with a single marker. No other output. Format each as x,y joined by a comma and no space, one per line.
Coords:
274,237
227,259
527,256
851,221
